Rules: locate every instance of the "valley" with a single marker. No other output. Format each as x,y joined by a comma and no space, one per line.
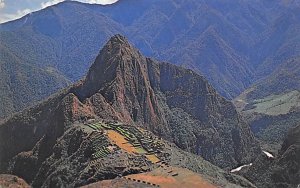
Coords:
199,35
172,93
115,124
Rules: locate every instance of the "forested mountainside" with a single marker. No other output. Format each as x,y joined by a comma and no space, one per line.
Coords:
62,40
281,171
272,105
22,83
280,86
272,129
125,93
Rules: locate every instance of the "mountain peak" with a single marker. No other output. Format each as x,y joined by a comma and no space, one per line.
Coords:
118,38
115,46
117,57
123,85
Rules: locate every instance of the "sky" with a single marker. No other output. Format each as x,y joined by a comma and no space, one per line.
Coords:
13,9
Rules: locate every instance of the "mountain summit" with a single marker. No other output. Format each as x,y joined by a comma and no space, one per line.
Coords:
122,85
203,35
173,102
119,80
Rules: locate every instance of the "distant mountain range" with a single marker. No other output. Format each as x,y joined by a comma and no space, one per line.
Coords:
71,115
61,42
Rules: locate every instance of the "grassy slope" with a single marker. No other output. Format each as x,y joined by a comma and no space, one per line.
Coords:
272,105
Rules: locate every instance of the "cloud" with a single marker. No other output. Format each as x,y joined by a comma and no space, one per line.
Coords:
24,12
5,16
50,3
53,2
103,2
2,4
19,14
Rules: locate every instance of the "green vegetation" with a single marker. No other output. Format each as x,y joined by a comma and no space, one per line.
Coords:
96,126
271,130
62,53
103,152
141,150
99,145
140,141
275,104
23,84
283,80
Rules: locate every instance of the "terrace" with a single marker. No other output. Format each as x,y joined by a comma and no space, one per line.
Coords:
100,145
126,137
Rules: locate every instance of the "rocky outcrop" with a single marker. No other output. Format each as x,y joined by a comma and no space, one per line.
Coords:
69,164
7,180
287,168
174,103
284,170
119,78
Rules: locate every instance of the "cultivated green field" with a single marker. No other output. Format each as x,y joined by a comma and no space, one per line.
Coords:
275,104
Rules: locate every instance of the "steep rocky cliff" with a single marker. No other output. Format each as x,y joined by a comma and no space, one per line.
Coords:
7,180
122,85
173,102
281,171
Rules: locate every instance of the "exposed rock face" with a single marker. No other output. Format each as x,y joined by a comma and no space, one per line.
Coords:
173,102
287,170
284,170
123,85
68,163
7,180
23,131
119,78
